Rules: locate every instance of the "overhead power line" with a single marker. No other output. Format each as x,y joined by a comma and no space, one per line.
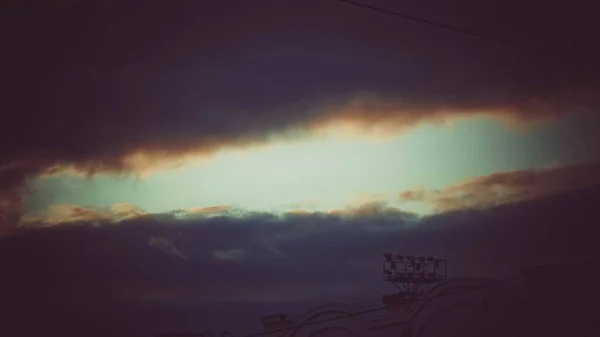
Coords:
353,314
368,311
447,27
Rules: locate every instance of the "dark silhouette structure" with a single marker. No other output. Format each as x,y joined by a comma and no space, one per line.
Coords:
411,275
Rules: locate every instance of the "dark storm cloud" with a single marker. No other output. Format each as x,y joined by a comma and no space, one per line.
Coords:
287,258
191,76
506,187
94,82
80,271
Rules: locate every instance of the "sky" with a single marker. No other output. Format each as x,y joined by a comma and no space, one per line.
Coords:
326,173
233,154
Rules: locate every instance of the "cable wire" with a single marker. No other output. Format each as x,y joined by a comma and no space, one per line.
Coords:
451,28
353,314
358,313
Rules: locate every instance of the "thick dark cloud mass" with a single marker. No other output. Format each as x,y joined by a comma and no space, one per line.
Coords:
112,279
95,81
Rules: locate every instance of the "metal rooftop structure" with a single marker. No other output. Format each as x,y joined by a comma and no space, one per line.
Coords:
411,275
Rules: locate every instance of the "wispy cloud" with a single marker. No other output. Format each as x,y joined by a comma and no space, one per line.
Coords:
230,254
167,246
507,187
57,214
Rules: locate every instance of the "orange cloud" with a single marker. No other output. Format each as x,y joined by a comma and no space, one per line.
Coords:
376,208
413,195
202,211
209,209
507,187
65,213
384,117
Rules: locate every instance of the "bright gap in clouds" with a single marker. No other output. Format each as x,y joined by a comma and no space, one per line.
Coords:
319,174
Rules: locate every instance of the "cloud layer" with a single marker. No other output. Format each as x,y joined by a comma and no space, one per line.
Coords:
118,87
508,187
295,259
474,193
